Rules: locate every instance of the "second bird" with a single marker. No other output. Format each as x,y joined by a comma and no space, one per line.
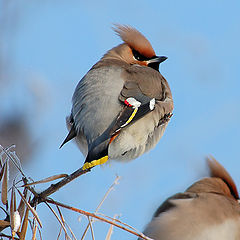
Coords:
121,107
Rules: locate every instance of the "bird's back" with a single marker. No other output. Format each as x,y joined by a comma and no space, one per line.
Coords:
203,216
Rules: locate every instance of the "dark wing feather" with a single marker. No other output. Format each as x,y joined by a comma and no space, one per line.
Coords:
168,205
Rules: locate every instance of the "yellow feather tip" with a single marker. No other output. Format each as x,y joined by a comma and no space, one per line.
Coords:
94,163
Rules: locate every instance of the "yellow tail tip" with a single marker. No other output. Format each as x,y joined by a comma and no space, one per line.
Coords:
94,163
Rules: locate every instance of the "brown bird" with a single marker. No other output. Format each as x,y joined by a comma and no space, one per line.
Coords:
122,106
207,210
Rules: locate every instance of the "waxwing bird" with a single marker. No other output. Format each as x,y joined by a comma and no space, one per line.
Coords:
122,106
207,210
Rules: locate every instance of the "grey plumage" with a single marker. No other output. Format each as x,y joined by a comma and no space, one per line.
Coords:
99,99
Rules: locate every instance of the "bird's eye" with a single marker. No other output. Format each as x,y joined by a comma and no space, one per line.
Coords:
138,56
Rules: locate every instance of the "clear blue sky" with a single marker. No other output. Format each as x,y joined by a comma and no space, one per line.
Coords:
54,43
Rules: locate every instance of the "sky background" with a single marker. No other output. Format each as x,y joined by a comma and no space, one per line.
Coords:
46,47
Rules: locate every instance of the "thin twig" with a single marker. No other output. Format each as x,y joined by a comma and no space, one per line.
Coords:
107,193
110,231
65,224
100,204
7,236
59,220
7,149
70,231
12,159
34,230
30,188
91,227
59,234
33,211
4,210
97,217
117,220
55,187
40,233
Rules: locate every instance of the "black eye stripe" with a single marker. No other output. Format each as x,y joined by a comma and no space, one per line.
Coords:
139,56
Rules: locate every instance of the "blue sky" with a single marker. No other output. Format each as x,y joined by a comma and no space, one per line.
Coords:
52,44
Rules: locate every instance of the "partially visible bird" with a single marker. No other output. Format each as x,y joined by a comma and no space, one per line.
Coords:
122,106
207,210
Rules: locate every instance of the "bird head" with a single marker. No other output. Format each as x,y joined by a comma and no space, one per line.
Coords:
219,182
136,49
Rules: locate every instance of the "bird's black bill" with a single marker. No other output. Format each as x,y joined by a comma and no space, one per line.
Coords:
155,61
161,59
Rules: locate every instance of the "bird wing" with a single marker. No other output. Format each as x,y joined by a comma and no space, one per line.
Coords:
172,202
98,150
147,86
168,216
136,105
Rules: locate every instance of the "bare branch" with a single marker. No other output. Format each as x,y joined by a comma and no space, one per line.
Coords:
97,217
48,179
33,211
65,224
34,231
15,162
100,204
120,222
71,231
59,220
59,234
7,236
43,197
91,227
55,187
108,191
110,231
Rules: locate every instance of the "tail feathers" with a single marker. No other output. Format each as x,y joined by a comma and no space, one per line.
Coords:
98,150
97,155
72,134
218,171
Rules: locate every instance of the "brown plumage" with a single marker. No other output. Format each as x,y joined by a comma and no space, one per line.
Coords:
103,121
135,40
218,171
209,209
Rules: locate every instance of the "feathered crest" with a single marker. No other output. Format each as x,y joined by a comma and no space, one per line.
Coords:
134,39
218,171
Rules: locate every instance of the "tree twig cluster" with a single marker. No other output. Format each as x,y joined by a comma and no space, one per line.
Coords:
20,201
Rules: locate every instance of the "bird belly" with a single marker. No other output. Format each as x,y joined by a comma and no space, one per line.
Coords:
137,139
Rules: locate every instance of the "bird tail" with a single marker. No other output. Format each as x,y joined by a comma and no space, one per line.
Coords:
72,134
97,155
